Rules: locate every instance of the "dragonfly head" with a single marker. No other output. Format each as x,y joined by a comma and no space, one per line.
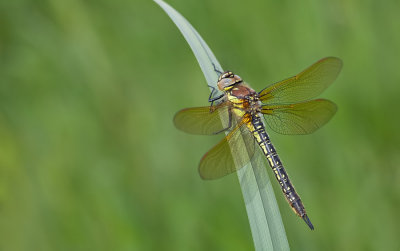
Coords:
227,80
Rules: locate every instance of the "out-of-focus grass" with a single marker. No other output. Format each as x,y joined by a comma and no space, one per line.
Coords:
89,158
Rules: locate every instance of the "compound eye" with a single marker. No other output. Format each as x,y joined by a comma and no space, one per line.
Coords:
237,77
225,83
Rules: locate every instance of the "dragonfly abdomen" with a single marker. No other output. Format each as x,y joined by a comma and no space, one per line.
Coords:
275,163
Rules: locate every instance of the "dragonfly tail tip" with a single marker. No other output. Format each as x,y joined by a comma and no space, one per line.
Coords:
308,222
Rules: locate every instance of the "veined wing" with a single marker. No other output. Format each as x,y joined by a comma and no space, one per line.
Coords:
230,154
300,118
304,86
202,120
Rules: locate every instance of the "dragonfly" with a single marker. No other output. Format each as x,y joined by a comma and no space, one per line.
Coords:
288,107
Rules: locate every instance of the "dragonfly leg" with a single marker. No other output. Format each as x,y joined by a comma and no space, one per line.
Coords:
216,70
211,99
213,89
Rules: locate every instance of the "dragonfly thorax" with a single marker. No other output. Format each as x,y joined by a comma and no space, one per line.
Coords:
238,93
244,98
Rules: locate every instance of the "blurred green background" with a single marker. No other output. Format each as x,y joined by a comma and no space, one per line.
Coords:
90,159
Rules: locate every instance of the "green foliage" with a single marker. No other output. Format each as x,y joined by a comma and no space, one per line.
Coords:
90,159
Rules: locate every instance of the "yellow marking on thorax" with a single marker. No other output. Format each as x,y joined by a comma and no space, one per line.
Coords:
237,105
235,100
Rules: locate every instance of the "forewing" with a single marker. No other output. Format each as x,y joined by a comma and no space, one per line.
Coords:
299,118
202,120
230,154
304,86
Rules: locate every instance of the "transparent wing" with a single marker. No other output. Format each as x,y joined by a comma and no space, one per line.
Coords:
230,154
304,86
258,162
299,118
202,120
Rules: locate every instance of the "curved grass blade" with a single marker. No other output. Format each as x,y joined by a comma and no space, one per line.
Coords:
264,217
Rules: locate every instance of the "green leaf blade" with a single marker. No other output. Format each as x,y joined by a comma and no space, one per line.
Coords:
264,217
